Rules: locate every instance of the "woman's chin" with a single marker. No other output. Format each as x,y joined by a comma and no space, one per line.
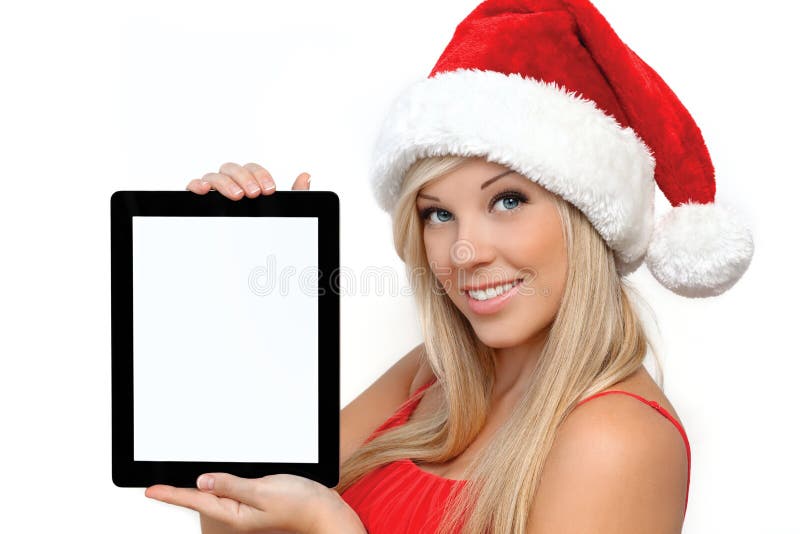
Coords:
507,333
495,339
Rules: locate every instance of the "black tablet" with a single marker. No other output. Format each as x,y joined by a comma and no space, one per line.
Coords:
224,336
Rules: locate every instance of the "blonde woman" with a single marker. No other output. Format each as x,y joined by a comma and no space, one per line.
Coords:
520,177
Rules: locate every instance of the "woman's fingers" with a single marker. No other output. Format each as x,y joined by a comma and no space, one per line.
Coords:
200,501
242,177
221,509
199,186
303,181
236,181
224,184
210,486
263,177
274,503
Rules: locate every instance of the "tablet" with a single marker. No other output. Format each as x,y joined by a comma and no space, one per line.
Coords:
224,336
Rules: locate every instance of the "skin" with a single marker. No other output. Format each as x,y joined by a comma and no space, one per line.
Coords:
474,237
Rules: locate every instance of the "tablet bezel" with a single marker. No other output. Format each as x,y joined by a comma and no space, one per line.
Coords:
324,205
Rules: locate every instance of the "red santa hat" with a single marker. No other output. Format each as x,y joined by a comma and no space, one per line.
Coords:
548,89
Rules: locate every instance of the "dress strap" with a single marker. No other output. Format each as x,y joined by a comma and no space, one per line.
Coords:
652,403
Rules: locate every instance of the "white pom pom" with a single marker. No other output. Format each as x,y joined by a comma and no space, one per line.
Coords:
699,250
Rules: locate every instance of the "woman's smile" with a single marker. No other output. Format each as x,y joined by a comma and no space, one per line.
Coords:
493,299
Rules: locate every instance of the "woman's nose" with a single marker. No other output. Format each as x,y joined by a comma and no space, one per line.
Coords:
473,247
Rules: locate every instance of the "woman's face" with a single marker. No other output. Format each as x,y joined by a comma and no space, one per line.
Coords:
483,229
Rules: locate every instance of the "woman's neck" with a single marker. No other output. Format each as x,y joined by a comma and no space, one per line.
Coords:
513,365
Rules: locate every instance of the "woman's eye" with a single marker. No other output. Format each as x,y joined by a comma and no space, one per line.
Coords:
508,202
426,215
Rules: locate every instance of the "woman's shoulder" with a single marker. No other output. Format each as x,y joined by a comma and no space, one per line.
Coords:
628,426
616,447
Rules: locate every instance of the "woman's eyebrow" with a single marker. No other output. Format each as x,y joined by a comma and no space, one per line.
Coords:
492,180
484,185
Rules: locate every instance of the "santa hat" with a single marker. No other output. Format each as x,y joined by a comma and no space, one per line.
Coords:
548,89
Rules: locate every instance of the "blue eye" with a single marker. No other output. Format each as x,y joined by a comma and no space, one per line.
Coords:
512,199
430,211
515,197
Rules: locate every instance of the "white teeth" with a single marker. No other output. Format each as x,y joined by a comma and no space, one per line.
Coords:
491,292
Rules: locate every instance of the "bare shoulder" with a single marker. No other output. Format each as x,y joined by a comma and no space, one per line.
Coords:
616,465
377,403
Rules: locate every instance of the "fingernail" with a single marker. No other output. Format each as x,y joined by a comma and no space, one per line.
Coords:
267,185
236,190
205,482
253,188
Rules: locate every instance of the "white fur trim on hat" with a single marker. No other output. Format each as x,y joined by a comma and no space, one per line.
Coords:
556,138
699,250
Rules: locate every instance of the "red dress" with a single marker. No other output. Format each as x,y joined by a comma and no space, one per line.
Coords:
400,497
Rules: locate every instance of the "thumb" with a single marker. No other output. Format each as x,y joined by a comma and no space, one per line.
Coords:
302,182
227,485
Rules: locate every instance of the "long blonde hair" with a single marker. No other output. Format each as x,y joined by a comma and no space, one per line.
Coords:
595,340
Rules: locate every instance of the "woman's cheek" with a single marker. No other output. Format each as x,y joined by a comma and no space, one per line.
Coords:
438,260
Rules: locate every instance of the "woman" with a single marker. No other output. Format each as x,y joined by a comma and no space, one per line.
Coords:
527,161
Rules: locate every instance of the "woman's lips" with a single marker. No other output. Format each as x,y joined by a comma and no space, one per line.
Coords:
492,305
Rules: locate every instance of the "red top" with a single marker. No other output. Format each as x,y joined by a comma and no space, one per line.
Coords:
400,497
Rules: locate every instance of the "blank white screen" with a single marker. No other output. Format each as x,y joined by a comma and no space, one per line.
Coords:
225,339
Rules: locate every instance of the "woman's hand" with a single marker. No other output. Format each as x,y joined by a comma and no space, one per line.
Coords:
274,504
233,180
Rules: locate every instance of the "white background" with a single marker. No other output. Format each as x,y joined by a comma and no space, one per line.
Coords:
100,96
